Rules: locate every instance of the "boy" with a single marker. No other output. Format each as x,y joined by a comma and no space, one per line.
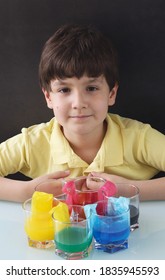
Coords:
79,78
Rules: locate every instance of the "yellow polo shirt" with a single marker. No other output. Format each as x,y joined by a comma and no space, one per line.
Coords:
130,149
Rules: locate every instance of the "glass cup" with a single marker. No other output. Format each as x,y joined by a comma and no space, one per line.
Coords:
110,230
83,195
73,239
39,227
52,186
131,192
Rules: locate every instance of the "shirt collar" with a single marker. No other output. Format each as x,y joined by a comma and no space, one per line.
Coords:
62,153
109,154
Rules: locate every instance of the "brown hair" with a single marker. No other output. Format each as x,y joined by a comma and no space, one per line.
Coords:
75,50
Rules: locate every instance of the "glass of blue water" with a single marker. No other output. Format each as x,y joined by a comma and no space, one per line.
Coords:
110,230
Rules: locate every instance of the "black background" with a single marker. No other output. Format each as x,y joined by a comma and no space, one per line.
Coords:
137,28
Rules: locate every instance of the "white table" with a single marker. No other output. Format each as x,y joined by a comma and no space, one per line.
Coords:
145,243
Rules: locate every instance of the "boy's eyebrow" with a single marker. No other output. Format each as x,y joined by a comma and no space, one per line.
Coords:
90,80
100,80
58,82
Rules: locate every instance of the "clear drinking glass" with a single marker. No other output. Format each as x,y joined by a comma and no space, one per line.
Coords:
110,230
83,195
54,187
73,239
131,192
39,227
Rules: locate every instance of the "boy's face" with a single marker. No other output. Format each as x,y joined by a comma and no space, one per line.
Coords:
80,105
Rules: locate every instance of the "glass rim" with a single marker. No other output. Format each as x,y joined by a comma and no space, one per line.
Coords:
25,203
129,184
92,177
84,177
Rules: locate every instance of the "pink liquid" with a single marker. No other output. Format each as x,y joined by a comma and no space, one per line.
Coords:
83,198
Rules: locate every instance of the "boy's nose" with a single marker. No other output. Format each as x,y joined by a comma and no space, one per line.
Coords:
79,101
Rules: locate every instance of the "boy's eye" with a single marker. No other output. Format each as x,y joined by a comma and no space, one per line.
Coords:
64,90
92,88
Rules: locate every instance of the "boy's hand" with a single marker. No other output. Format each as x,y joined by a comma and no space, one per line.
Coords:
110,177
49,183
19,191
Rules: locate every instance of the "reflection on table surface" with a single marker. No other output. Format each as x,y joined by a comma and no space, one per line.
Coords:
147,242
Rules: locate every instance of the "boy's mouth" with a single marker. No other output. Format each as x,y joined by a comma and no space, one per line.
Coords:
80,116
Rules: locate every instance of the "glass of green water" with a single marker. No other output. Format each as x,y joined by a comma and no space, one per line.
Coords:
73,239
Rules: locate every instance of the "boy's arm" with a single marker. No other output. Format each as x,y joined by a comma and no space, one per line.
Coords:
153,189
19,191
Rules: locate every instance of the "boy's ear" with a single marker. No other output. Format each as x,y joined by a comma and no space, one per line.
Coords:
47,98
112,95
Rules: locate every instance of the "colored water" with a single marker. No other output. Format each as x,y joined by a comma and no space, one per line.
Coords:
73,239
84,198
108,237
134,215
114,229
